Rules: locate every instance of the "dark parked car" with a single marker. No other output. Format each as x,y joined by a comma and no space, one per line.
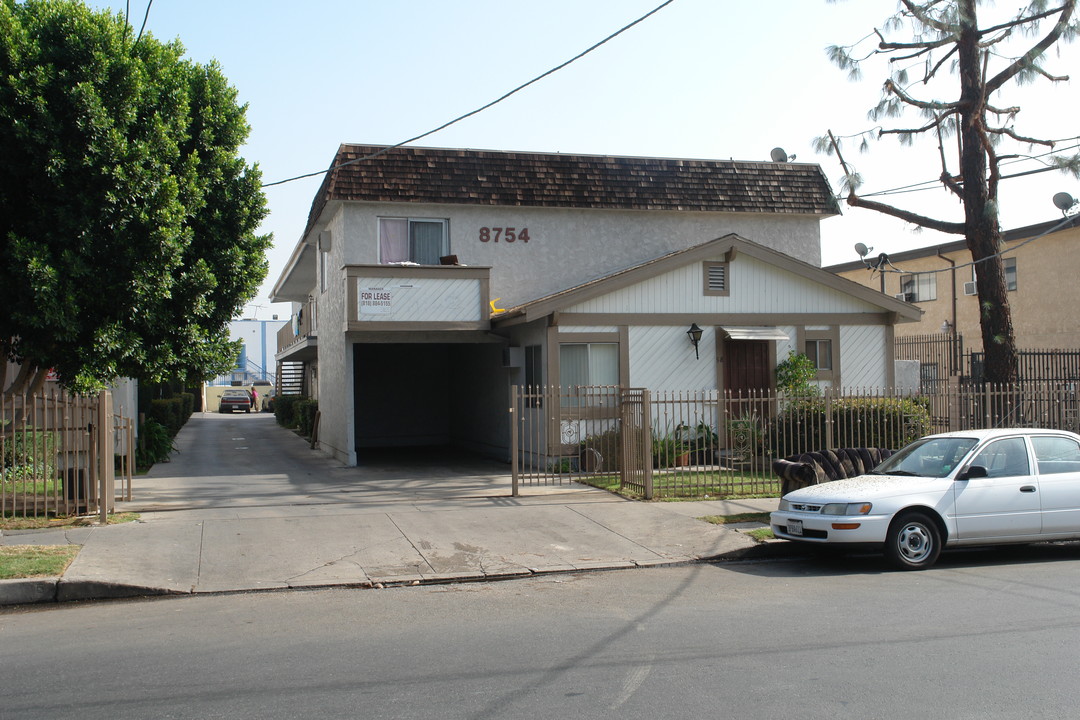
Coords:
235,400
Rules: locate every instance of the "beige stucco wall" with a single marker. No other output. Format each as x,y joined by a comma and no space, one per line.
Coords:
1043,305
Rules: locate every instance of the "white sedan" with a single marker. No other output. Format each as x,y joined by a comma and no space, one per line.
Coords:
979,487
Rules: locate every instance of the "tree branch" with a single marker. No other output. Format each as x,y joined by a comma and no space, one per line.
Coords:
904,97
925,19
1027,59
1012,133
1023,20
912,131
921,220
18,385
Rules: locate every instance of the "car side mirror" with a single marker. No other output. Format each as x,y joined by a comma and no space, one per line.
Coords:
975,471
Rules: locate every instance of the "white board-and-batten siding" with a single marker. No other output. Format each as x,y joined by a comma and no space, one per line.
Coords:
755,288
423,299
863,363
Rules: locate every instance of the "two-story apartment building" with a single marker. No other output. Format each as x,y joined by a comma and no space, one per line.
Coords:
428,281
940,279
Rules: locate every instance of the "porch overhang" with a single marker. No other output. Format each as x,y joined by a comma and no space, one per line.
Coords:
747,332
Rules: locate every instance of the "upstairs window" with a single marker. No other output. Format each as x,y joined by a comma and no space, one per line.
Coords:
918,288
1010,273
417,240
1009,265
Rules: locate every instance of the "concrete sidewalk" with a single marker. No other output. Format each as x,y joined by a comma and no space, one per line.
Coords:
290,518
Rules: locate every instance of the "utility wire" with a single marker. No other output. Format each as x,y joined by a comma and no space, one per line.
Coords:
519,88
877,268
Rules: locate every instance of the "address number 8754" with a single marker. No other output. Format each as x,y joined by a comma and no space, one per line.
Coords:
509,234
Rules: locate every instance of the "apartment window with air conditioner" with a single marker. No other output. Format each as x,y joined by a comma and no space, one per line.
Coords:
419,240
1009,265
920,287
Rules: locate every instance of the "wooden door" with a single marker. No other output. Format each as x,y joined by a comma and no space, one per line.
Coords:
746,366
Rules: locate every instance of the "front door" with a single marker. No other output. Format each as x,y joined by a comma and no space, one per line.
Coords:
746,367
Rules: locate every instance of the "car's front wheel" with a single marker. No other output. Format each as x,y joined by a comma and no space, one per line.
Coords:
913,542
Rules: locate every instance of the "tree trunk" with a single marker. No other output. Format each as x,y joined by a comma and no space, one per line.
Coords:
980,210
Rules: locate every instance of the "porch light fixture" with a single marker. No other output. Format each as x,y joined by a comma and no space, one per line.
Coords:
694,333
946,327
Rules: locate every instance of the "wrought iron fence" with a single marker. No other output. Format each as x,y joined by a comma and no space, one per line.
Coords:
668,444
62,454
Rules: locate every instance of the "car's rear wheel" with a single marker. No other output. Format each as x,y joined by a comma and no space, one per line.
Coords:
913,542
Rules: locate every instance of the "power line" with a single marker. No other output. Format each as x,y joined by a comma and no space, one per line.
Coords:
519,88
935,184
1068,220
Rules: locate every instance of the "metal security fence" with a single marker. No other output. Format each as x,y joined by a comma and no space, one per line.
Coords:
63,455
669,444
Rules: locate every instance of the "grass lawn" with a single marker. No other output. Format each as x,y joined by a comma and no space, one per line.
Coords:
694,485
39,522
27,561
760,534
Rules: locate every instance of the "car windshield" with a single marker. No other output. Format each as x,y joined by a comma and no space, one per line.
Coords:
929,457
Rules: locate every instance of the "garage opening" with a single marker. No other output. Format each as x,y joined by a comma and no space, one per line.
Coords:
431,395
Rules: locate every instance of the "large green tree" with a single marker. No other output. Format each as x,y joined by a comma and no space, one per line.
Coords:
939,38
127,217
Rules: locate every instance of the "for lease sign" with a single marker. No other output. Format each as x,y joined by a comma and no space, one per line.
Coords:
376,301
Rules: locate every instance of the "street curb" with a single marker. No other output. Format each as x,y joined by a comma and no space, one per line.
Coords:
29,591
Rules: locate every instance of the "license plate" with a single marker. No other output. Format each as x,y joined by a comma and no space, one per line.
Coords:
794,527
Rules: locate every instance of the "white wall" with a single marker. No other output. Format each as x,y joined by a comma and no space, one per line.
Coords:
259,338
569,247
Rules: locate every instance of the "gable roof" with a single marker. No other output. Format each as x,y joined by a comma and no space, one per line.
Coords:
730,245
488,177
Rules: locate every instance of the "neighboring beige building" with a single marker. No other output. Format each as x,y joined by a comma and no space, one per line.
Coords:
1043,291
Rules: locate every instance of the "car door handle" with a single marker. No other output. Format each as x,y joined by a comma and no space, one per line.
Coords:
1027,488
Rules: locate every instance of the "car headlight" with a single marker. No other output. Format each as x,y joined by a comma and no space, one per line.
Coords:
784,505
846,509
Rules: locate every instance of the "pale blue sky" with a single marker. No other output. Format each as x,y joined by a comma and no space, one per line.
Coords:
701,78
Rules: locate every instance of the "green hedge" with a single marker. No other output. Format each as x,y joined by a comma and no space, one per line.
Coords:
856,422
305,416
296,411
284,409
169,412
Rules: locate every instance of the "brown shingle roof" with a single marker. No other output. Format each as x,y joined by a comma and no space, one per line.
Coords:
486,177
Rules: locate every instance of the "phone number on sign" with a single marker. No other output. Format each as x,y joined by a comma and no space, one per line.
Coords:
494,234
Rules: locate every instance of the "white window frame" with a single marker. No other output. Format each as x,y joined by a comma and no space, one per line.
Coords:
919,287
409,221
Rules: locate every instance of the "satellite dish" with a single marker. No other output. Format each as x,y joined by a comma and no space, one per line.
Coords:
779,154
862,249
1062,200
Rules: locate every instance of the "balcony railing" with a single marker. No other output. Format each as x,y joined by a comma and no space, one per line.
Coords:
301,329
411,297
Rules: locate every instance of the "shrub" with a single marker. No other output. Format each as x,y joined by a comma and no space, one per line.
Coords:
608,445
795,376
856,422
29,455
187,405
285,409
155,444
168,412
305,415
